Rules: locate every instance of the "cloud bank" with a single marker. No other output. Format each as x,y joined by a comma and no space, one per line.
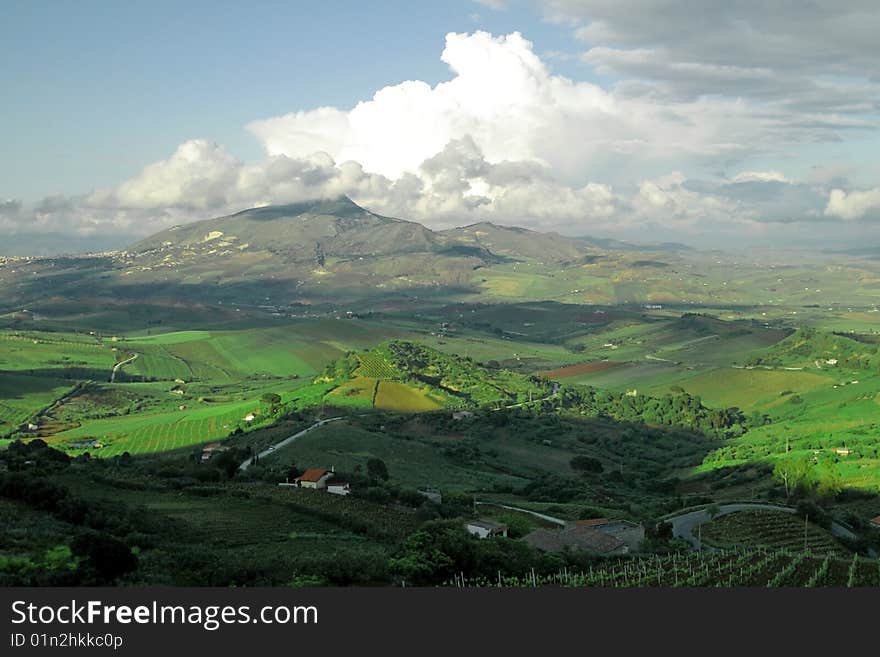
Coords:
669,147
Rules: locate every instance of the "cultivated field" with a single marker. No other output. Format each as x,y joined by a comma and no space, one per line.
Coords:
769,529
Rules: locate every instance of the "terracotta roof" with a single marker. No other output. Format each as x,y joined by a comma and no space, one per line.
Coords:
313,474
875,521
595,522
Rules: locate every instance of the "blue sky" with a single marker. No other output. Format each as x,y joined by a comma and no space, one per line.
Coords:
736,121
99,89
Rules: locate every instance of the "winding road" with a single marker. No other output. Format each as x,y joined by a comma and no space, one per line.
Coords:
118,365
536,514
284,443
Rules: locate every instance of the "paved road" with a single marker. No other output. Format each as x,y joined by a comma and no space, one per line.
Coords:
287,441
552,395
684,524
542,516
119,365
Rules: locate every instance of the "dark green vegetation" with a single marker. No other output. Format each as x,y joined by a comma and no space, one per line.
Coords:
570,377
768,568
767,529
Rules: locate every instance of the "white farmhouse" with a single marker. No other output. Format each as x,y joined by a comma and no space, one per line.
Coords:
339,488
486,528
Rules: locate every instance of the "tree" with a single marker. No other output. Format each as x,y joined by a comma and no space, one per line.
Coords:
103,558
376,469
826,482
271,401
793,473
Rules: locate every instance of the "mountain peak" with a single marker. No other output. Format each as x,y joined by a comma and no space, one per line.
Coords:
340,206
488,225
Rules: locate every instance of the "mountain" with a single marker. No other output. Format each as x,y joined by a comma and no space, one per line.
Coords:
329,251
517,243
339,227
323,251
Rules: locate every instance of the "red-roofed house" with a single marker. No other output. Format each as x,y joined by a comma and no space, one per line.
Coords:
875,522
314,478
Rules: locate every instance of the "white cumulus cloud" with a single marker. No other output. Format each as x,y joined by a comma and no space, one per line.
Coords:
852,205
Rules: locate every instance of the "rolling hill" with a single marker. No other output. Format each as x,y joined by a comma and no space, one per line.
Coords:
336,255
339,227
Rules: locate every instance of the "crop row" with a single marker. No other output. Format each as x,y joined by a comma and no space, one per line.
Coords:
769,568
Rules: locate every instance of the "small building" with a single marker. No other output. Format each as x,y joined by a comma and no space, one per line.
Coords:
314,478
843,451
596,535
433,494
592,522
23,316
875,522
210,449
250,417
486,528
462,415
86,444
629,532
339,488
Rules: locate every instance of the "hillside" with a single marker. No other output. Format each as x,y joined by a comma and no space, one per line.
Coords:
516,242
810,348
324,251
336,253
406,376
298,231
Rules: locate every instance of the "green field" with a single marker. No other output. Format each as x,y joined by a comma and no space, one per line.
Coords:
166,426
392,396
360,392
158,432
21,397
57,355
412,463
750,389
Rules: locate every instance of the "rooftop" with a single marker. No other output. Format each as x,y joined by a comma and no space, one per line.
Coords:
594,522
576,538
313,474
486,524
